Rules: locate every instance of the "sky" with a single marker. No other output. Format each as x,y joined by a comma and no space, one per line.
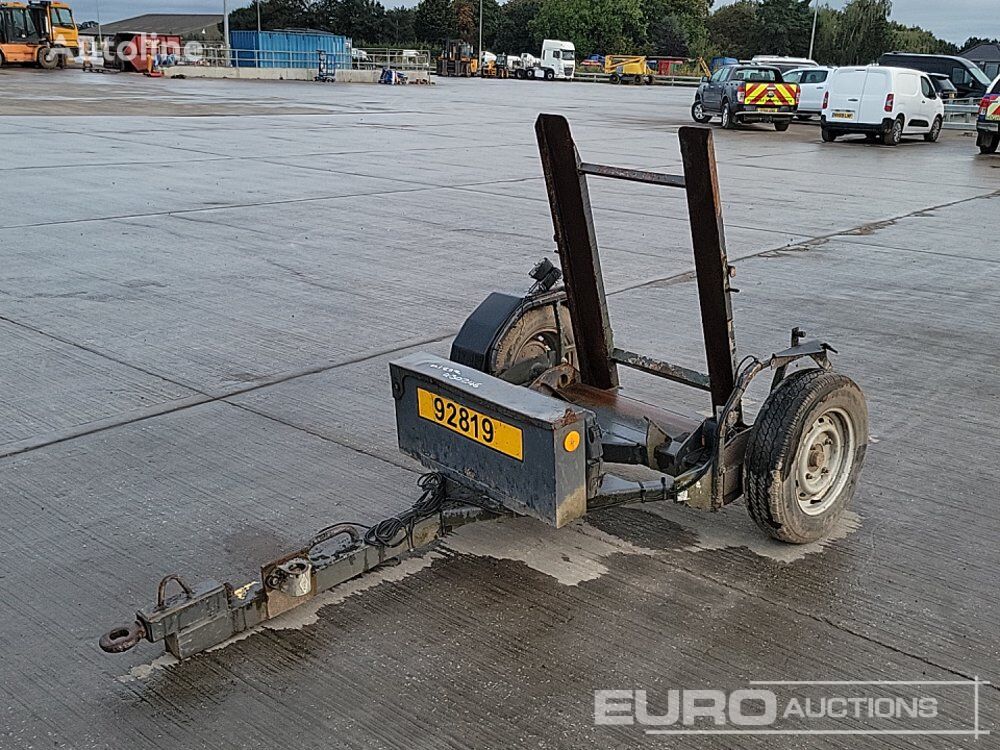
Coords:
954,20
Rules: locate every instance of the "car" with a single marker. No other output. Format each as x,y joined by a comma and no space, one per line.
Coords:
784,63
881,103
970,81
744,94
812,87
988,123
945,88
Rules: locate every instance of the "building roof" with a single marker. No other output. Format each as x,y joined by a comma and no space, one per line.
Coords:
983,53
188,25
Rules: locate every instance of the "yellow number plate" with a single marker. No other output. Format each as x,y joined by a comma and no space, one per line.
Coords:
471,424
843,115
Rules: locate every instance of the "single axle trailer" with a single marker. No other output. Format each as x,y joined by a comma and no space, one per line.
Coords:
528,417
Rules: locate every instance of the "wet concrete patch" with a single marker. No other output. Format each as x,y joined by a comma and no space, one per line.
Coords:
732,528
571,555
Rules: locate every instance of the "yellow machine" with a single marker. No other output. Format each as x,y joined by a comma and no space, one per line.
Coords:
457,59
496,68
43,33
628,68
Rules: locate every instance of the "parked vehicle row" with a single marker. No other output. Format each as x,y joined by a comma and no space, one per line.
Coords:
953,77
882,103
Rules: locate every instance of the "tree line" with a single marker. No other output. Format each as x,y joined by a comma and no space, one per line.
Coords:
858,33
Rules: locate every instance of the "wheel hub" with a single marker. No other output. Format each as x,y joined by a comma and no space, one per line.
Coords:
824,461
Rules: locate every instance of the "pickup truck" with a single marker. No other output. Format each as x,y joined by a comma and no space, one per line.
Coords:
746,93
988,123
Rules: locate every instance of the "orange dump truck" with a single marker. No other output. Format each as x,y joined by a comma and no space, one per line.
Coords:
41,33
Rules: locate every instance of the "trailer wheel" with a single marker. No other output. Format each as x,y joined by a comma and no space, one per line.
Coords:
531,345
804,455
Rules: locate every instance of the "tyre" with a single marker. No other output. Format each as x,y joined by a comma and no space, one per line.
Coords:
531,344
637,80
894,134
935,131
698,113
990,146
549,74
615,79
828,135
48,58
782,125
649,80
804,455
519,75
728,121
3,60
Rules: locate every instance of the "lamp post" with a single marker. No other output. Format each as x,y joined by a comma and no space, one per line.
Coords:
225,29
258,18
481,57
812,39
100,35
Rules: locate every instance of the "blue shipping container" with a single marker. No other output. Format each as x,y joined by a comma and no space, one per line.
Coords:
288,49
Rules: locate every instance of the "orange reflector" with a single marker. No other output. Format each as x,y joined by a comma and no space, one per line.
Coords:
572,441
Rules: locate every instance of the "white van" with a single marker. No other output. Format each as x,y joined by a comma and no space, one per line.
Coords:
881,103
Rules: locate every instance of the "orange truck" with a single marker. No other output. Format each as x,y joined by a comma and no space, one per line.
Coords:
42,33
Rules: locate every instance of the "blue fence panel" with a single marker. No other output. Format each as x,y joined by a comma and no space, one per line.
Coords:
287,49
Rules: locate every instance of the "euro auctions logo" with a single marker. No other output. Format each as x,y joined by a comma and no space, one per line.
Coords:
799,707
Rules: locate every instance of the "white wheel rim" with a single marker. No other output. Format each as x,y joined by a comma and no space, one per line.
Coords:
725,115
824,461
698,113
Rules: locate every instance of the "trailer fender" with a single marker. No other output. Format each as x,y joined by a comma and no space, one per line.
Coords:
479,333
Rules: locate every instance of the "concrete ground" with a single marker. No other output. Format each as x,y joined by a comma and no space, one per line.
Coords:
202,284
